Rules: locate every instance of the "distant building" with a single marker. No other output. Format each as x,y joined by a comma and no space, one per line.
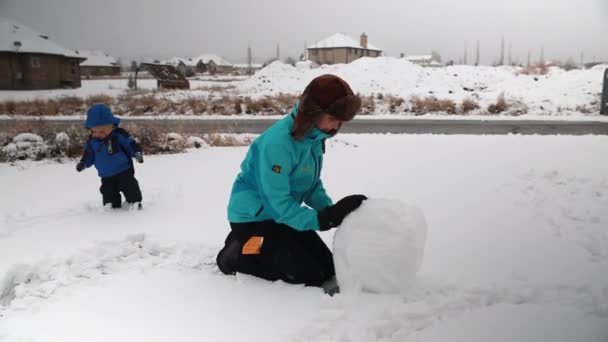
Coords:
424,60
341,48
246,69
30,60
98,63
215,64
210,63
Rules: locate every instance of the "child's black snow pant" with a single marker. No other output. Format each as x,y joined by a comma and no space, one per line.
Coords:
275,251
124,182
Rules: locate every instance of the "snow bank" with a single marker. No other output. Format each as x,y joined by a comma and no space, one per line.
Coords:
379,247
556,92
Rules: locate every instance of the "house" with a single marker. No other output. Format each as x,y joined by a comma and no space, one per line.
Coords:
246,69
210,63
30,60
186,66
98,63
424,60
215,64
341,48
167,76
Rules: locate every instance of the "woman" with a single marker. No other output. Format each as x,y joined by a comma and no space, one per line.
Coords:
273,236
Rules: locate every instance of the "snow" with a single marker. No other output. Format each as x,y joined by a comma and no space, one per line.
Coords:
31,40
306,65
27,137
559,93
516,249
109,87
601,67
26,146
196,142
379,247
419,58
174,137
62,138
552,94
339,40
97,58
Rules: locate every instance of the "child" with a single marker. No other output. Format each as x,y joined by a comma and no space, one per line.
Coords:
110,149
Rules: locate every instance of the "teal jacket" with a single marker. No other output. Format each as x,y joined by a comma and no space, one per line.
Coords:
278,175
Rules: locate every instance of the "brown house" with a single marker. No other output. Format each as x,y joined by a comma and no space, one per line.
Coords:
29,60
341,48
98,63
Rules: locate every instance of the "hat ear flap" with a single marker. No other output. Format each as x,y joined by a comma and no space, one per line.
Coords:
345,108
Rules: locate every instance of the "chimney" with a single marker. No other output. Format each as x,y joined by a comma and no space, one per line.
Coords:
363,40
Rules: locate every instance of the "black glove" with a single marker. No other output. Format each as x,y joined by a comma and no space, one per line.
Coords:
139,157
80,166
333,216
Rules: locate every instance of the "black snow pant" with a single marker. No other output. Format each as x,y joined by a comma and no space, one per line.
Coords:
285,254
124,182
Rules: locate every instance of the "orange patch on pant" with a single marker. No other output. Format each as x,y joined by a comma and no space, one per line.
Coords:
253,246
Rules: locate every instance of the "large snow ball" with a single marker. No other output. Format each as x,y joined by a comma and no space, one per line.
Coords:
379,247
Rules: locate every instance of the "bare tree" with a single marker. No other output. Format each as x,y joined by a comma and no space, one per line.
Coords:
477,54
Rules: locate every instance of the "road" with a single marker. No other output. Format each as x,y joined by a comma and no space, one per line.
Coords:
396,126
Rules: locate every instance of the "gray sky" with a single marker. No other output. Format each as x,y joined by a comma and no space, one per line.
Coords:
159,29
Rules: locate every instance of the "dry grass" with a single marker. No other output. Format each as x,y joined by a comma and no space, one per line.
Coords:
584,109
468,105
368,105
500,106
140,102
395,103
421,106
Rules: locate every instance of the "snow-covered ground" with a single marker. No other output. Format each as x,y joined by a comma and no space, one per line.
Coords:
517,248
558,93
109,87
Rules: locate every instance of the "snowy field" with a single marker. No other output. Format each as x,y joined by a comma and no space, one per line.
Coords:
517,248
109,87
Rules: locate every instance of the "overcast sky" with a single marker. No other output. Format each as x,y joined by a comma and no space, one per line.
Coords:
159,29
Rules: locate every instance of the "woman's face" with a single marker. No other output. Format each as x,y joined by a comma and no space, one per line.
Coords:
329,124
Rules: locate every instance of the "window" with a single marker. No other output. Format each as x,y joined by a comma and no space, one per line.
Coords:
35,61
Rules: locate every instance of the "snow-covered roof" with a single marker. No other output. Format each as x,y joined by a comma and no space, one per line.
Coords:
419,58
97,58
177,60
340,40
245,66
206,57
15,37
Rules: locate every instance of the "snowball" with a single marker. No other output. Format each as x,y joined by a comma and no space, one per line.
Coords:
197,142
28,137
379,247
